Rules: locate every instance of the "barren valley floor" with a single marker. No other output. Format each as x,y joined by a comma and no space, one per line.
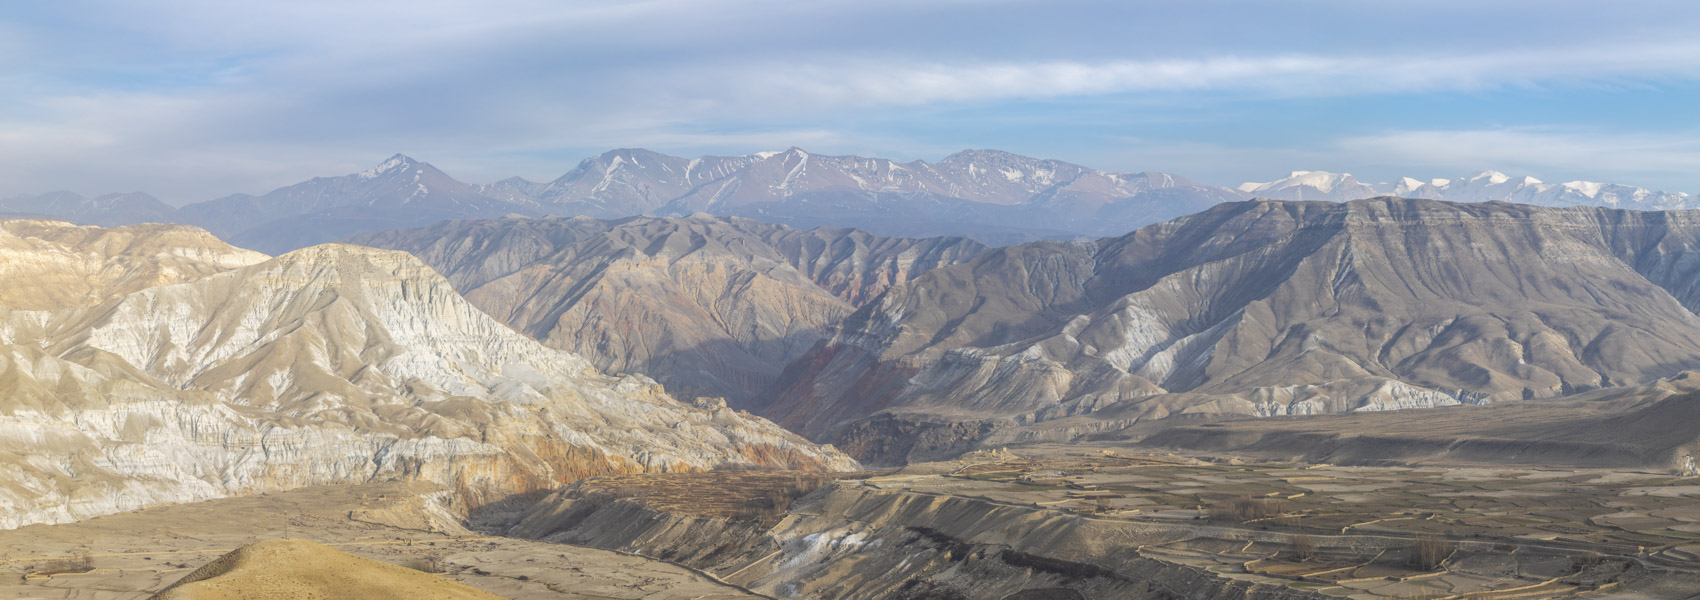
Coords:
135,554
1087,521
1068,521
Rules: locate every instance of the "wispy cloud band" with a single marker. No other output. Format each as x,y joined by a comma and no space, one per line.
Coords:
133,96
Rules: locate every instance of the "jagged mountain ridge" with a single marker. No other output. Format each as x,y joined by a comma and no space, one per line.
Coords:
1259,308
710,306
980,192
331,364
993,195
997,197
1481,186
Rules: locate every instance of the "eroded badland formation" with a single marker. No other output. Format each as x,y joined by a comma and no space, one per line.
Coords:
1380,398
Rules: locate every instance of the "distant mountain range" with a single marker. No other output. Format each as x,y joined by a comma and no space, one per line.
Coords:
995,197
107,210
1482,186
985,193
400,192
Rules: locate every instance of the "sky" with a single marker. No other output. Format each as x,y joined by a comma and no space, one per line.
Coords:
195,99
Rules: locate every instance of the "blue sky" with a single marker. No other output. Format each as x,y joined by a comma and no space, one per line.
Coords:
193,99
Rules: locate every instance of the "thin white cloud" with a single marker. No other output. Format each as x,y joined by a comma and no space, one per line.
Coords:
298,85
895,82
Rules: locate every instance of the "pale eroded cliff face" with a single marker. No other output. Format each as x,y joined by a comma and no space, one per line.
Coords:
330,364
1259,308
49,265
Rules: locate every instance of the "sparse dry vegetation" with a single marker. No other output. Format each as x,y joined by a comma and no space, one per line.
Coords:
1428,552
750,495
425,564
80,563
1304,546
1246,508
1061,467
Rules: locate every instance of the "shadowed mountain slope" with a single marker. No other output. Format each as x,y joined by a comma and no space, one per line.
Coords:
1636,427
710,306
1259,308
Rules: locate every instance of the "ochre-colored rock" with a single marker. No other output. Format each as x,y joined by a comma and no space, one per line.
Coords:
291,569
47,265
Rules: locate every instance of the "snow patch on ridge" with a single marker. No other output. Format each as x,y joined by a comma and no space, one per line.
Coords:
1481,186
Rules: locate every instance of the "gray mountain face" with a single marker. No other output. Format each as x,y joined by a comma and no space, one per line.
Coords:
107,210
401,192
1258,308
709,306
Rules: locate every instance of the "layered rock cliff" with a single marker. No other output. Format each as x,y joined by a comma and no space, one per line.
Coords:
330,364
1259,308
710,306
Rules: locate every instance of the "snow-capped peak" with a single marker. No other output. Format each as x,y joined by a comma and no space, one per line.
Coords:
1585,188
1323,181
1481,186
787,153
395,164
1494,177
